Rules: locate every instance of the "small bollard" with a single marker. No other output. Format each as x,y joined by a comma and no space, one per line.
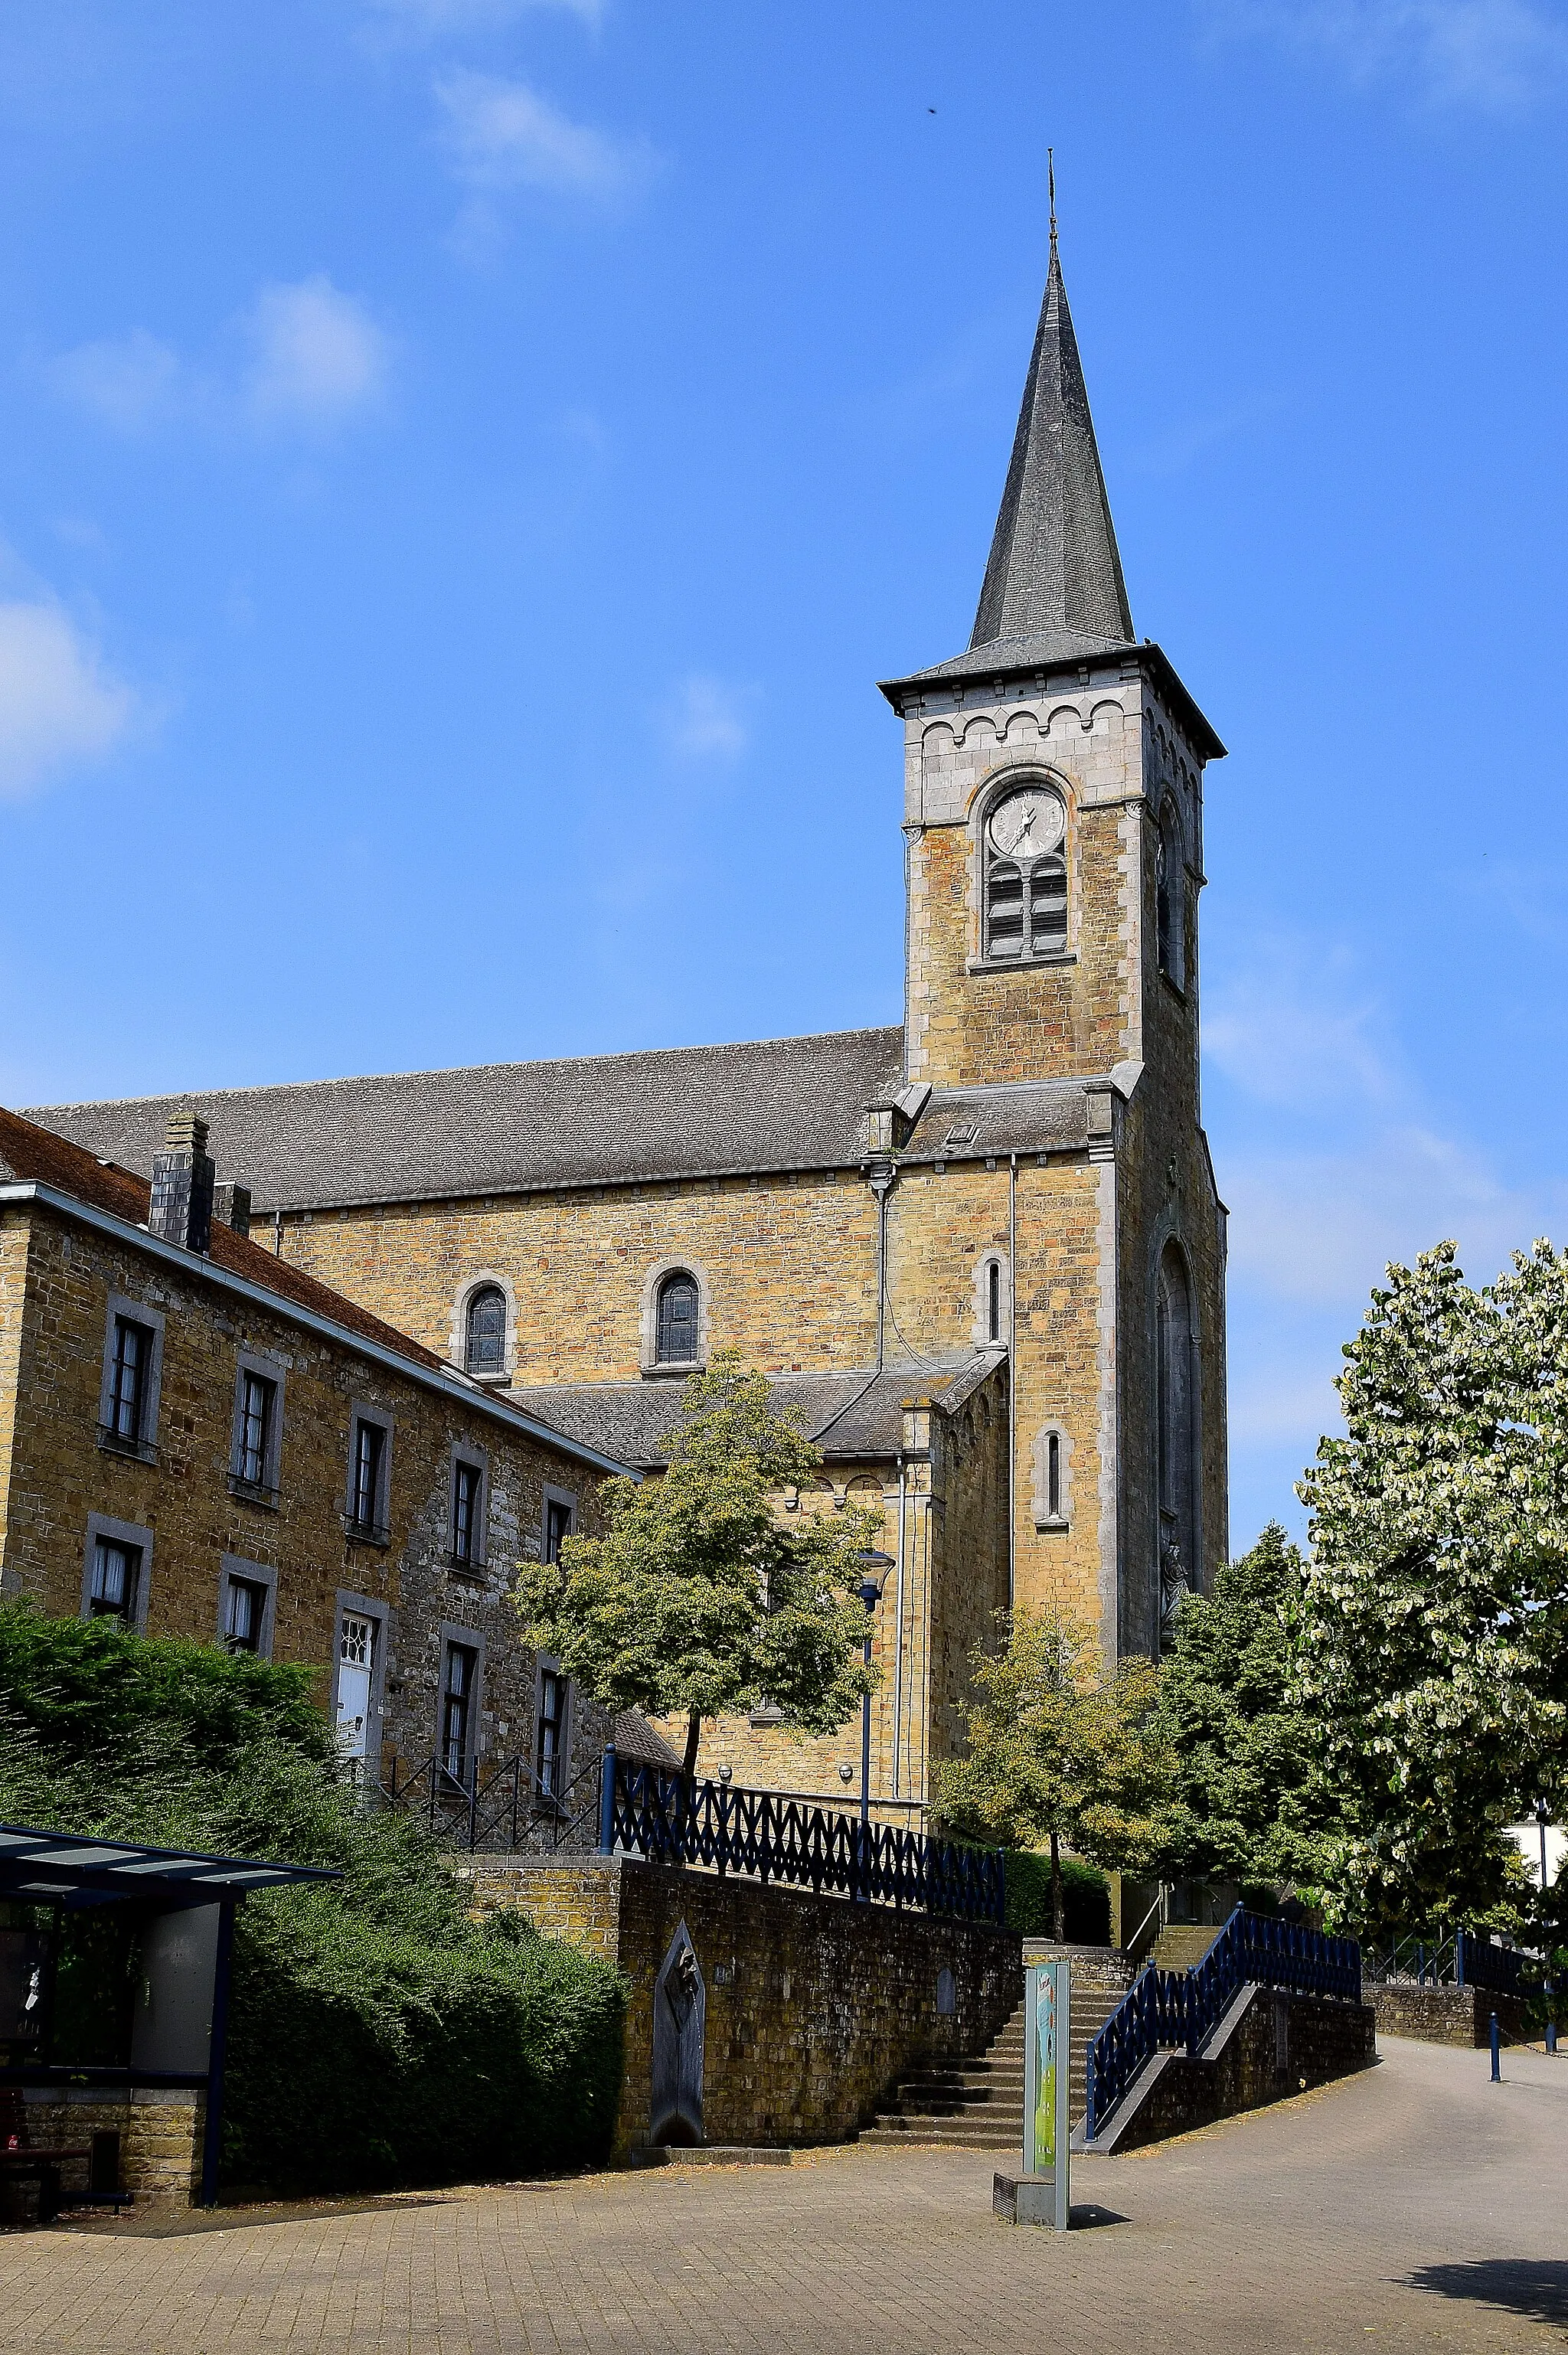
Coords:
1497,2051
1551,2036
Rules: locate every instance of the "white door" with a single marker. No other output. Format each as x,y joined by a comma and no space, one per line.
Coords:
355,1665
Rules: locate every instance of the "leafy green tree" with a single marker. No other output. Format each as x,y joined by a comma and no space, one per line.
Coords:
1062,1748
700,1599
1433,1657
1246,1806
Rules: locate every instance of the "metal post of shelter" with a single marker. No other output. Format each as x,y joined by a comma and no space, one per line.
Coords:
212,2128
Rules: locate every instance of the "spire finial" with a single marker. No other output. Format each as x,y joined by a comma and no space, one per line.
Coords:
1050,177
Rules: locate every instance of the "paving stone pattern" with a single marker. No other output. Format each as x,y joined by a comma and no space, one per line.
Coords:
1415,2208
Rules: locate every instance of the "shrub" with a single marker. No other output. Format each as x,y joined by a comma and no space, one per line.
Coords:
376,2034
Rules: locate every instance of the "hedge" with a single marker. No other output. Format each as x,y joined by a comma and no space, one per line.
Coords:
378,2035
1085,1892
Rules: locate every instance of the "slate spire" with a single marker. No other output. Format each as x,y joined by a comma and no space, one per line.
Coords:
1054,568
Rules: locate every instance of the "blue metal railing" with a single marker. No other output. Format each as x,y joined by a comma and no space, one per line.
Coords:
651,1812
1163,2010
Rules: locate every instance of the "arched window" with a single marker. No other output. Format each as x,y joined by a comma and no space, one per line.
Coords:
994,1301
1171,894
675,1323
1025,874
1176,1374
485,1331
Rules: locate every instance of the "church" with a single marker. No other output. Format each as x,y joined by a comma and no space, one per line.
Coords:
981,1253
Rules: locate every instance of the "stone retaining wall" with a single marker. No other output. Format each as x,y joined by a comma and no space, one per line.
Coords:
1445,2015
816,2006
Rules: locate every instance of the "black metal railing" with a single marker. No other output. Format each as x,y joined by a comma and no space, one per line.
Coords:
650,1812
1164,2010
504,1807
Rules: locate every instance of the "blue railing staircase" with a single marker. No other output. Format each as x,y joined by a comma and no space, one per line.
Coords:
1176,2010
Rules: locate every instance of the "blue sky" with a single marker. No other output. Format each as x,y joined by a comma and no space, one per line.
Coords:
464,464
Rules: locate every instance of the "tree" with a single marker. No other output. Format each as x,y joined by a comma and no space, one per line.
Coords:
1062,1747
1245,1803
1433,1636
699,1597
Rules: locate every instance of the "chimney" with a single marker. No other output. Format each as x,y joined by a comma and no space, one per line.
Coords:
232,1206
181,1208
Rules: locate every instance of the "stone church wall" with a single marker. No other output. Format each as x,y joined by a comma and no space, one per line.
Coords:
788,1267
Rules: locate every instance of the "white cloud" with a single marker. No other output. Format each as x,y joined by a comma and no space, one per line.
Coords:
58,705
1496,54
1294,1027
1322,1227
710,719
318,355
315,356
503,135
130,381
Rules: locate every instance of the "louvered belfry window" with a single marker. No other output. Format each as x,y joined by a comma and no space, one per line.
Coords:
675,1342
486,1338
1025,874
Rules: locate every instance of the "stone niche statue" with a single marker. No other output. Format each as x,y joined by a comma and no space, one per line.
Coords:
680,2023
1174,1585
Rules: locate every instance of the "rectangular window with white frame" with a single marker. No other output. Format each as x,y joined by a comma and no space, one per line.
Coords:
367,1513
247,1594
117,1572
133,1377
470,1510
256,1445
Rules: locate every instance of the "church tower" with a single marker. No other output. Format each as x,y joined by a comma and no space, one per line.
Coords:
1054,857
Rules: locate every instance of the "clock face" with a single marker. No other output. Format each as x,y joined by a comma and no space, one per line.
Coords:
1028,824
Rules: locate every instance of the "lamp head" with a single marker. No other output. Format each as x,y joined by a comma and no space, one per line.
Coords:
873,1568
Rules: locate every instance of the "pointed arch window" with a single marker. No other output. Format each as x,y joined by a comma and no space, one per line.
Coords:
1025,874
675,1320
485,1331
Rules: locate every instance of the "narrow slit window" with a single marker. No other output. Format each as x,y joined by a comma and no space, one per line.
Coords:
675,1341
993,1299
1053,1475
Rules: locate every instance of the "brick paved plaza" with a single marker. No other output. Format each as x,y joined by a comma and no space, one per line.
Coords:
1415,2207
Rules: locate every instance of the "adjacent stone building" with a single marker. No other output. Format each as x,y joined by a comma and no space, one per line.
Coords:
199,1439
983,1249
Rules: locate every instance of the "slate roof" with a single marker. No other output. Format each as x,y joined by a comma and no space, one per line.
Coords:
1054,564
851,1414
32,1152
671,1112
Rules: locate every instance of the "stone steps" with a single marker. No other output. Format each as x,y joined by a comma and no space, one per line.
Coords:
979,2103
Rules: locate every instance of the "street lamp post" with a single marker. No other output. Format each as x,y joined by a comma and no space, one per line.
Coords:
1543,1817
873,1568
